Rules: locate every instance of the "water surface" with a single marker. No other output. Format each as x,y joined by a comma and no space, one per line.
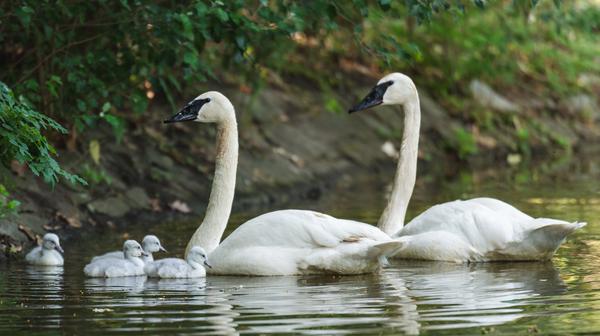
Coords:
558,297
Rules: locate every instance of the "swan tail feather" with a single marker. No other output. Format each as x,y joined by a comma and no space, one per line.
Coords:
550,236
383,250
558,230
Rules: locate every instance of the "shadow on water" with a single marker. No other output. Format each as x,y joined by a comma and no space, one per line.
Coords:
407,297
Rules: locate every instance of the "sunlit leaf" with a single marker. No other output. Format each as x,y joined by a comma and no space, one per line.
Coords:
94,148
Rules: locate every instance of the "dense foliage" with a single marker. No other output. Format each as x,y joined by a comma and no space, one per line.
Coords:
21,138
95,61
84,63
91,61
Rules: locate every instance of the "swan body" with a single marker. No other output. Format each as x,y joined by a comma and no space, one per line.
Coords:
480,229
175,268
130,265
278,243
48,254
150,244
301,242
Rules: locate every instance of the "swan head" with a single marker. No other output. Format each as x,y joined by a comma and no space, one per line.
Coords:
51,242
198,255
133,249
393,89
209,107
151,244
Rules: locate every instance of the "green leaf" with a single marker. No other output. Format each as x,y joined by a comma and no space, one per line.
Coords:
118,126
94,148
221,15
188,30
106,107
557,3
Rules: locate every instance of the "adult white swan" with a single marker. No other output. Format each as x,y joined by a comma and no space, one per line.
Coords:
277,243
479,229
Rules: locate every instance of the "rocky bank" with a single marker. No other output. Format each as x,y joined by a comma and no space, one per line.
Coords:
291,148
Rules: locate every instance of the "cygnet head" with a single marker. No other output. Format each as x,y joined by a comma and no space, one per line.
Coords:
151,244
198,255
393,89
51,242
209,107
133,249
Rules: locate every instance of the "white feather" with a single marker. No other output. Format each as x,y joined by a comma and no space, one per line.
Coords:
278,243
480,229
46,254
170,268
130,265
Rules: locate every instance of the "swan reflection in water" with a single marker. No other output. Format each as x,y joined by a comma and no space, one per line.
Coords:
408,297
46,282
450,295
440,295
128,283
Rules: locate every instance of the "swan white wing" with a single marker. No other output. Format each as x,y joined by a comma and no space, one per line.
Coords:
154,268
44,258
34,255
109,268
113,255
472,222
297,241
300,229
170,268
120,255
482,229
500,207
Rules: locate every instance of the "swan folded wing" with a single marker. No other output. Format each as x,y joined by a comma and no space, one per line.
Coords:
478,224
34,254
330,232
109,267
473,229
501,208
113,255
300,229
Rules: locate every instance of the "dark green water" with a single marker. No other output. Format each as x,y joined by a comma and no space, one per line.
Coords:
560,297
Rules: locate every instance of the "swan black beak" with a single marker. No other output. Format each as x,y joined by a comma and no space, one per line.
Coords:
59,249
144,254
207,264
374,98
189,112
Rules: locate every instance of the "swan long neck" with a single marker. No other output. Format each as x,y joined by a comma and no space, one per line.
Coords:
148,258
194,265
392,219
209,233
